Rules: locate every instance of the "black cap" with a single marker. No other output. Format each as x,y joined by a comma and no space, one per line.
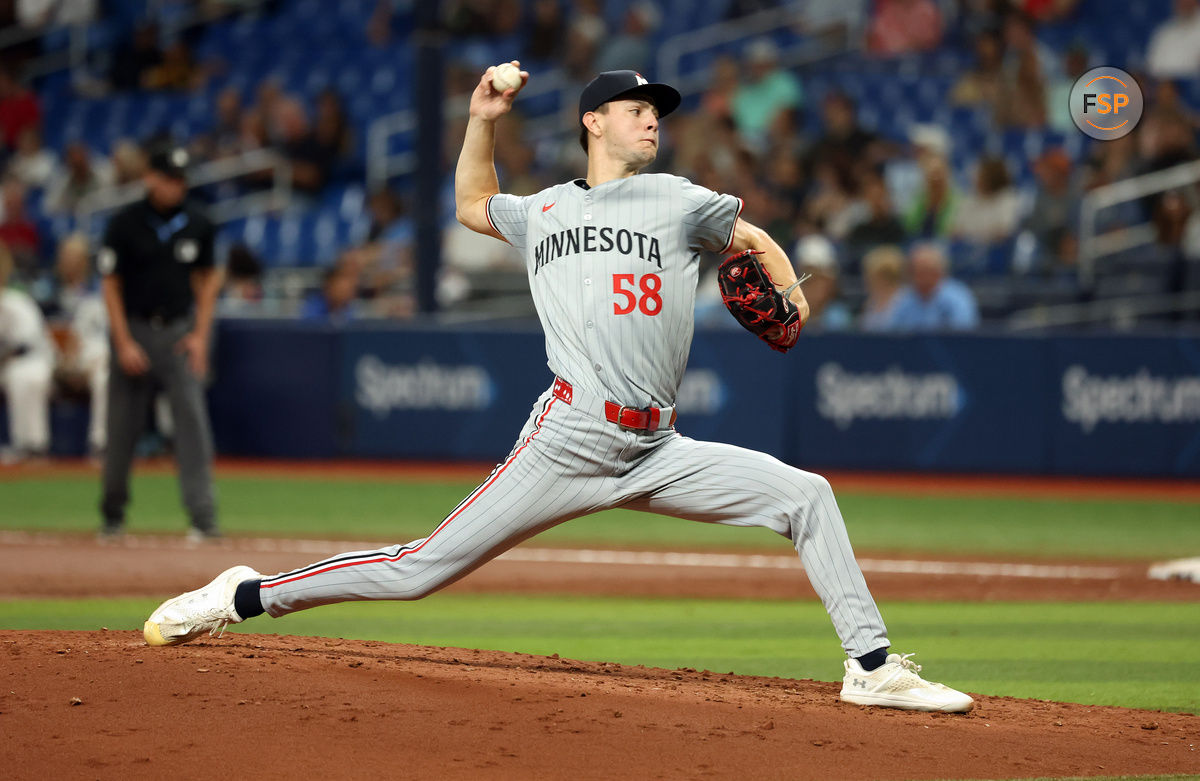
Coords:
170,160
611,85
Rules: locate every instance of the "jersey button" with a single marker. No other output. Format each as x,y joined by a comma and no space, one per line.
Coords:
599,368
589,323
587,216
587,281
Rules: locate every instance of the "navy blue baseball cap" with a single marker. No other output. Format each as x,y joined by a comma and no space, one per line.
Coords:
612,85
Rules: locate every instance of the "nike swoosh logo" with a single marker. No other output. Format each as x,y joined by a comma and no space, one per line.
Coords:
548,207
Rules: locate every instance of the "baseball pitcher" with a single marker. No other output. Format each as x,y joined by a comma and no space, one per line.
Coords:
612,260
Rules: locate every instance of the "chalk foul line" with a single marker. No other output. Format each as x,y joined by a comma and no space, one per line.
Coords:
611,557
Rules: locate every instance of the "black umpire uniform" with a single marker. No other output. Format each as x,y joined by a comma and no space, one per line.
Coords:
160,288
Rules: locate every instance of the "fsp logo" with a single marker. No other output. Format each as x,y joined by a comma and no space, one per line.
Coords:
1106,103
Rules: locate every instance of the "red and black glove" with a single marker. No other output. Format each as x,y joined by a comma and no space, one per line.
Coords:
750,295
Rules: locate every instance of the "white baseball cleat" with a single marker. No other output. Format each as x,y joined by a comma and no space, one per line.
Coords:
896,684
208,609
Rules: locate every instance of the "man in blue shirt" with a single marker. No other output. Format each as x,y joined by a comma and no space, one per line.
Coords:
932,301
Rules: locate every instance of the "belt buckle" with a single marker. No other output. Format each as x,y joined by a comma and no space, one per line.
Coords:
621,418
645,418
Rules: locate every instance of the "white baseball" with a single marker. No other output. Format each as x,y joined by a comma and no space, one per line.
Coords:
506,76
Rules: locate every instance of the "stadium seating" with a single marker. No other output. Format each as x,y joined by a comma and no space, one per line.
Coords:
309,45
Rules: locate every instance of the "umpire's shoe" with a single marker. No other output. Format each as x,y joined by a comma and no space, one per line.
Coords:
208,609
896,684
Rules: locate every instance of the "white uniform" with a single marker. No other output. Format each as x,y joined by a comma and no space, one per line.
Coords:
613,272
25,377
89,325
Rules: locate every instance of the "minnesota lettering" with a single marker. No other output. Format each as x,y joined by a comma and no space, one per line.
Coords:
590,238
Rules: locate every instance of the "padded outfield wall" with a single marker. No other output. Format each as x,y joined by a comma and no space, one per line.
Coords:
1095,405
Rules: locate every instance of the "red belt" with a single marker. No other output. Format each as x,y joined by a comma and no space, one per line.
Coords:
626,417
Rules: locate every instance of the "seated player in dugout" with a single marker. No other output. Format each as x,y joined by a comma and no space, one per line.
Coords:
613,262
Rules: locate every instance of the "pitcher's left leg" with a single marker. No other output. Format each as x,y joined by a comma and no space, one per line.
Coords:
719,483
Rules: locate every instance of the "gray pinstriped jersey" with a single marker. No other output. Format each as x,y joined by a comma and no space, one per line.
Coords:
613,271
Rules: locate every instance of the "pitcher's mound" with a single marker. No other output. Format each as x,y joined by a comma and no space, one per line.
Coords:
104,705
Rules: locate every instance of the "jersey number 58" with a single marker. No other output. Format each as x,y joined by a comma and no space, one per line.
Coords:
626,286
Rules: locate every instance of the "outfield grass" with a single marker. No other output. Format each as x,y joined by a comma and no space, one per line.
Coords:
404,510
1136,655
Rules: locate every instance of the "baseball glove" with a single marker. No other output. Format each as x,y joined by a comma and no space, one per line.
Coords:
750,295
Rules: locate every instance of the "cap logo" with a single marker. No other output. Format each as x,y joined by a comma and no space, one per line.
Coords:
640,79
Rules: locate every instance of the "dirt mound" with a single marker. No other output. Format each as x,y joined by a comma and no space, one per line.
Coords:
106,706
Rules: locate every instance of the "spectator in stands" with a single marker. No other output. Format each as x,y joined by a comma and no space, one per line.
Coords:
331,130
933,301
932,211
904,27
631,49
17,230
176,71
26,367
880,225
905,173
19,109
1028,65
983,85
134,58
243,291
311,161
79,176
831,203
717,101
883,275
814,254
1166,138
1058,92
32,163
546,31
845,143
766,89
128,162
1021,42
1168,253
1052,219
992,212
225,138
337,301
386,258
467,258
1174,50
482,17
83,355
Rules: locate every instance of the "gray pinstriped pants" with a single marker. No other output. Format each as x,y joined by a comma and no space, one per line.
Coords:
568,463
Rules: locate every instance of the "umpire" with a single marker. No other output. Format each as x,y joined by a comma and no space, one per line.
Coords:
160,287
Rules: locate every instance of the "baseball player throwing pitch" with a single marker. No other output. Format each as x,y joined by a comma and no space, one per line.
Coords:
612,260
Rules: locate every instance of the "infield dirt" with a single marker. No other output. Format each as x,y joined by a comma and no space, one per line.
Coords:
104,705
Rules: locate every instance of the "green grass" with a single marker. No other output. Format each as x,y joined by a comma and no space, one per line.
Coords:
402,510
1137,655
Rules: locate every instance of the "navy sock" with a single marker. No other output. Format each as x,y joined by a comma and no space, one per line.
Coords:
246,601
869,662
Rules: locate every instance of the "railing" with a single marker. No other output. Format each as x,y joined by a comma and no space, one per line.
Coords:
249,204
1120,313
382,165
1093,246
675,48
75,55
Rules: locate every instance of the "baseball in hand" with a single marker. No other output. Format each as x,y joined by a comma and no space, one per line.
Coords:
506,76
